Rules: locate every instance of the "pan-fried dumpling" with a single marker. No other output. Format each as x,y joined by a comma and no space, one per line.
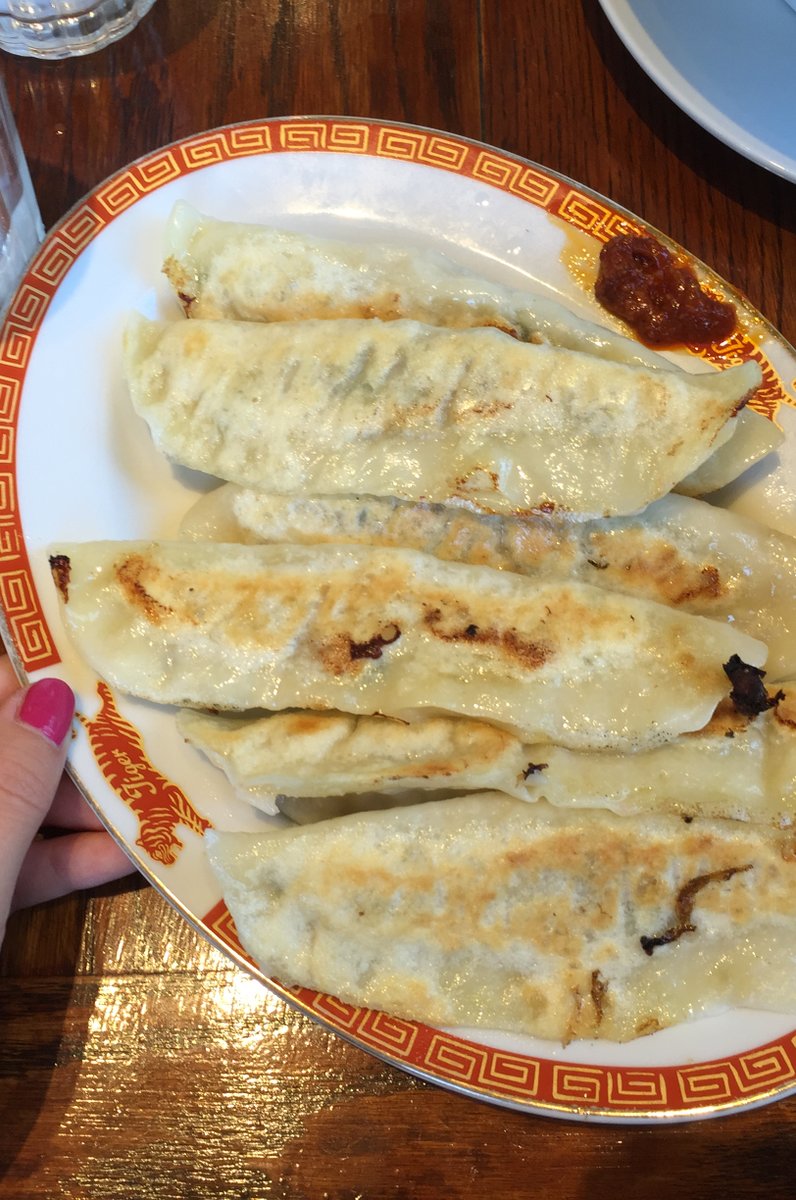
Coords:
232,271
222,269
368,630
331,754
679,551
399,408
754,437
316,765
487,912
738,767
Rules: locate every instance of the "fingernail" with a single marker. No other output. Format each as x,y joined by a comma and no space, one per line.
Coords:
48,707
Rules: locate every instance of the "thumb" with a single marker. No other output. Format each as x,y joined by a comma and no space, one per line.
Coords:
34,724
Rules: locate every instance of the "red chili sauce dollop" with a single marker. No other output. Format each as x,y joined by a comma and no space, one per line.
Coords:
659,296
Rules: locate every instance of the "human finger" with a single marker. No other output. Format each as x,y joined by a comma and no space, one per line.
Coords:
69,810
34,724
8,680
59,865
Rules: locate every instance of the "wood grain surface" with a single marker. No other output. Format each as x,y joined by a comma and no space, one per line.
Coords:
135,1061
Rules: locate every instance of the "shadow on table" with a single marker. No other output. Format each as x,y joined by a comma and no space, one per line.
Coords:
743,181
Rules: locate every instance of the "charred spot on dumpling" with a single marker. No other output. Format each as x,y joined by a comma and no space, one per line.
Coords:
533,769
708,586
480,479
61,569
449,627
373,647
684,907
504,326
749,694
184,283
785,712
131,573
647,1026
599,992
342,654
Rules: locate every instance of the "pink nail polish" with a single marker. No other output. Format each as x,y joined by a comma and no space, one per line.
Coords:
48,707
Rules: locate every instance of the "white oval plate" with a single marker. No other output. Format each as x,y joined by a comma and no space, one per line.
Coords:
728,63
77,464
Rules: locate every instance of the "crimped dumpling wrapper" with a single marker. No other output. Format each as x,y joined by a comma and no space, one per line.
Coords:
403,409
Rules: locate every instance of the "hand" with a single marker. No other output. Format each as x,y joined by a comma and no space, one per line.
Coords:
34,734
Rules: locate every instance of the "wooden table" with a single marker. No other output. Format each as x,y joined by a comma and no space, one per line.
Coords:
135,1061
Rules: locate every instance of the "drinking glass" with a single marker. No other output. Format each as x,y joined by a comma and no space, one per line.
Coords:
21,229
63,28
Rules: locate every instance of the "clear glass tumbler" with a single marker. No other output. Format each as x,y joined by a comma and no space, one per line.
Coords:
63,28
21,229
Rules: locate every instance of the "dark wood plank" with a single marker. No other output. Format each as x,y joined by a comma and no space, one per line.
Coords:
192,67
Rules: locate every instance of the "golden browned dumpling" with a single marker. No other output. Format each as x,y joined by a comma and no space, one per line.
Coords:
488,912
680,551
226,270
367,630
314,765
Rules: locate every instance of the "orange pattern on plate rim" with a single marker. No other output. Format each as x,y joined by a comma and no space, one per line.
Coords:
159,804
497,1074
